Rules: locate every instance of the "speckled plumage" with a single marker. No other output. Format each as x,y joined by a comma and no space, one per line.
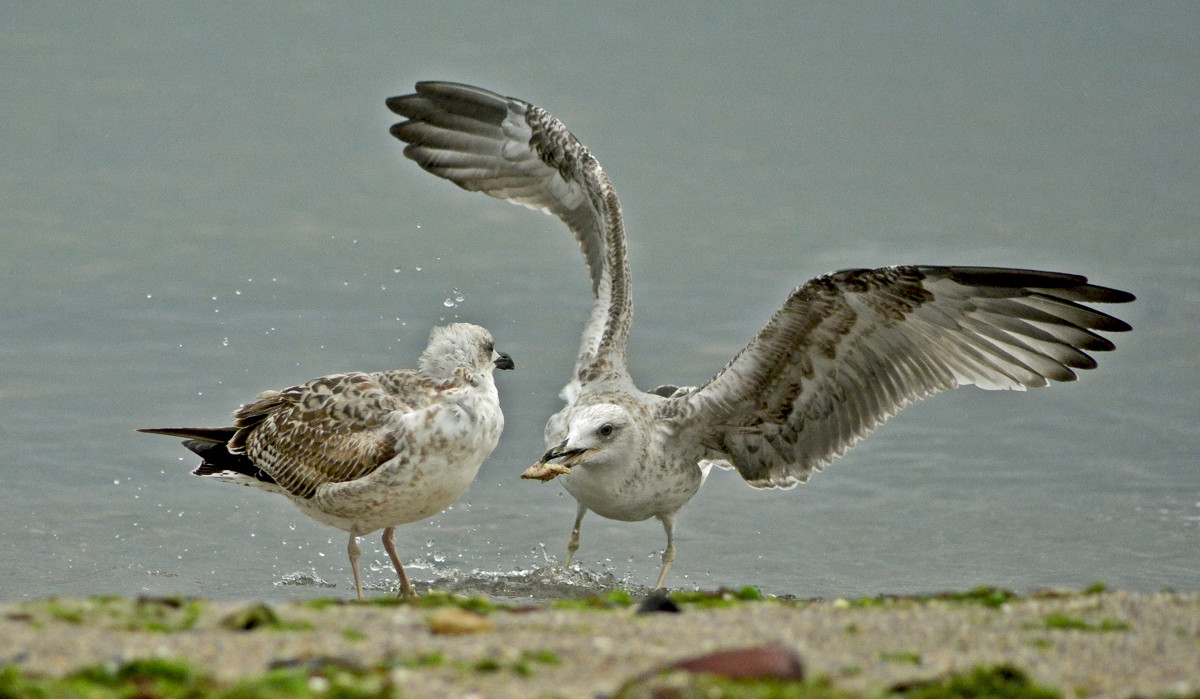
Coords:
845,352
368,451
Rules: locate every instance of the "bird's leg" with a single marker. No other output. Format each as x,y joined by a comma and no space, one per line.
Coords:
573,542
668,557
389,543
353,550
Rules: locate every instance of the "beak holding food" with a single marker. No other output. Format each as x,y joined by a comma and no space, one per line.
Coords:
554,463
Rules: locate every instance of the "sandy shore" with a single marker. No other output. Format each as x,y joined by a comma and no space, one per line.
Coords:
1110,644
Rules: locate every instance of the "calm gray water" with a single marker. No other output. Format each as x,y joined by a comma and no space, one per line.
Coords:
199,203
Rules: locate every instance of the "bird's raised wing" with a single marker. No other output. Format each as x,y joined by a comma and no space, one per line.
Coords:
850,349
329,430
513,150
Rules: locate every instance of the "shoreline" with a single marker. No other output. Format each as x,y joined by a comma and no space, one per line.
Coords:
1103,643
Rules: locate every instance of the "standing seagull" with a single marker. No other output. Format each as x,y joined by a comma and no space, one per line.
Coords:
845,352
363,452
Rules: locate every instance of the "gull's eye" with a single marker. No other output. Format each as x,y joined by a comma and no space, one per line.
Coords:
605,429
489,347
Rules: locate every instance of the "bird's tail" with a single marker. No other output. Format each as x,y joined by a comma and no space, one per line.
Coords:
209,443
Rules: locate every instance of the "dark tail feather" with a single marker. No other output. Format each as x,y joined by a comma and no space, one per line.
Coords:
204,434
209,444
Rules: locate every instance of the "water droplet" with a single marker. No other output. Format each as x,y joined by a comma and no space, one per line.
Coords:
225,342
448,303
429,544
292,526
237,292
149,296
116,481
418,268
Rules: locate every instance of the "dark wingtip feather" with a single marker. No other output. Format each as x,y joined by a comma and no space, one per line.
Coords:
1115,325
457,98
396,104
1010,278
1072,286
217,459
1091,293
219,435
1107,295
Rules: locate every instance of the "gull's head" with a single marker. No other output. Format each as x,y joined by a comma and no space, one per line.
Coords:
597,435
462,349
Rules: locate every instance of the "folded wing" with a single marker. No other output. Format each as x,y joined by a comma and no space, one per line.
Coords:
329,430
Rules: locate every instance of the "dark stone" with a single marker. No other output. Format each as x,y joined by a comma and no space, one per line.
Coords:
658,602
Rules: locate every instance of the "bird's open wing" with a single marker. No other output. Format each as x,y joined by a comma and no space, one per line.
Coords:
512,150
329,430
850,349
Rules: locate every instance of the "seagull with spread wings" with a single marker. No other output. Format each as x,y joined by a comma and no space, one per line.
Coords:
368,451
845,352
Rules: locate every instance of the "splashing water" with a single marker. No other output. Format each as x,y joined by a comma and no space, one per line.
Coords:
303,579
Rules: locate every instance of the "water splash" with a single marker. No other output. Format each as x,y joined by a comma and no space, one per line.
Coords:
543,581
303,579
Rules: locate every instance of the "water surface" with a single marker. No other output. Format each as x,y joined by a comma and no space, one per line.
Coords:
200,203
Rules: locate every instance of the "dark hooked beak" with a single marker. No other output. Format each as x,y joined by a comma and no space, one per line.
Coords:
504,361
547,469
560,451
